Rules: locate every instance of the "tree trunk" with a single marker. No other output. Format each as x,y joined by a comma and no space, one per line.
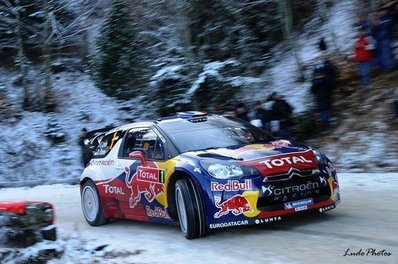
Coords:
47,57
21,60
287,21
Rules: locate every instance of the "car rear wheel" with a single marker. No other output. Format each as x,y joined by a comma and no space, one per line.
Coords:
91,205
190,209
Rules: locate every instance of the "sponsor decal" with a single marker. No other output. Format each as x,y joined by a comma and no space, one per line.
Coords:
301,204
272,190
231,186
157,212
108,162
148,174
280,162
268,220
113,189
322,181
149,182
228,224
238,204
327,208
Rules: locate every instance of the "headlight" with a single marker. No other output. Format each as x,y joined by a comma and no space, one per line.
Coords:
226,170
48,215
320,157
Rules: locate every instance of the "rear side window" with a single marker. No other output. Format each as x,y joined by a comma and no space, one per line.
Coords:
106,144
145,140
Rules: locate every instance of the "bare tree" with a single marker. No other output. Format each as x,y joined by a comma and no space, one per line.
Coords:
324,16
21,60
287,21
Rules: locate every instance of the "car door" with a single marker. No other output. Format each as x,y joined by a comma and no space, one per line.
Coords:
142,178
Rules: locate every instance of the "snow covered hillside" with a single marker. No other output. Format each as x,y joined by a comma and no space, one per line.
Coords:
40,147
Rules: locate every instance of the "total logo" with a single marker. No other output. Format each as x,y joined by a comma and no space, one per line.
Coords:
327,208
271,163
268,220
113,189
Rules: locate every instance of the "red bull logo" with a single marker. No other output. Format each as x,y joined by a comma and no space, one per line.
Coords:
157,212
236,205
231,185
147,181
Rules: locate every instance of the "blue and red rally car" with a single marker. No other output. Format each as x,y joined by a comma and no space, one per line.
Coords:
203,171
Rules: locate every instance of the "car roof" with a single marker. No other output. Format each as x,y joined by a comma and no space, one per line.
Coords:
180,116
131,125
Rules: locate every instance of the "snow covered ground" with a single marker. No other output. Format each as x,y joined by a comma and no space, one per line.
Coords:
135,242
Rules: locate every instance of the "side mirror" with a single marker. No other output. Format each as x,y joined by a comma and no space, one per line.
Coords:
138,155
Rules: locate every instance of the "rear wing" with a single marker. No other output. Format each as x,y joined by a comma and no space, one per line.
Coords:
94,137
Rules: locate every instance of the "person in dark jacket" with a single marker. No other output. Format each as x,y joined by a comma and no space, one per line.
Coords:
282,111
263,115
323,84
241,112
382,33
86,151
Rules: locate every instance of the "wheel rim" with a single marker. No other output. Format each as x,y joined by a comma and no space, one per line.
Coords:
182,214
90,203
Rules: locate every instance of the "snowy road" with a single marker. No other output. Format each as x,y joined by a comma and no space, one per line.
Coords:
366,221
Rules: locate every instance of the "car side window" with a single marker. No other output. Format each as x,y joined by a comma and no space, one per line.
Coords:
145,140
103,146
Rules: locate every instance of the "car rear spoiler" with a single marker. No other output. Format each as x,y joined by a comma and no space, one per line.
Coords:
93,137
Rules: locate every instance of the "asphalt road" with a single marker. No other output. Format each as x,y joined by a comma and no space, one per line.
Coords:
362,229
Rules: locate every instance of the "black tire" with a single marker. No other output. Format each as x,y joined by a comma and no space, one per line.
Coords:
91,205
190,209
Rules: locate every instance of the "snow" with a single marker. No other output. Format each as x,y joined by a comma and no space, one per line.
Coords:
28,155
135,242
28,158
283,77
212,69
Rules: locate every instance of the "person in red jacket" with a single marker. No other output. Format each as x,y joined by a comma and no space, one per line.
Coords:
363,56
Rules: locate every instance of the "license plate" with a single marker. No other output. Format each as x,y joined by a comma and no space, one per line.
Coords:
299,205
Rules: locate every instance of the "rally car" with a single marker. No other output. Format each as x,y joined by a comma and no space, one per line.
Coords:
27,222
203,171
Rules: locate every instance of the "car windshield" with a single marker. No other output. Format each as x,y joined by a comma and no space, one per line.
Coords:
212,132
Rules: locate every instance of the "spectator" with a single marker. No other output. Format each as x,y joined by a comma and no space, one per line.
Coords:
382,33
263,115
86,151
322,45
323,84
241,112
364,55
282,111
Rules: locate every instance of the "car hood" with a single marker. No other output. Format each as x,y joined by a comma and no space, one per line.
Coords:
269,158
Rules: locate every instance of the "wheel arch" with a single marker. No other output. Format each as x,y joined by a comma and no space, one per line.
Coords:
179,174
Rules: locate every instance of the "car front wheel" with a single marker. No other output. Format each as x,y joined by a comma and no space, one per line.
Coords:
91,205
190,209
